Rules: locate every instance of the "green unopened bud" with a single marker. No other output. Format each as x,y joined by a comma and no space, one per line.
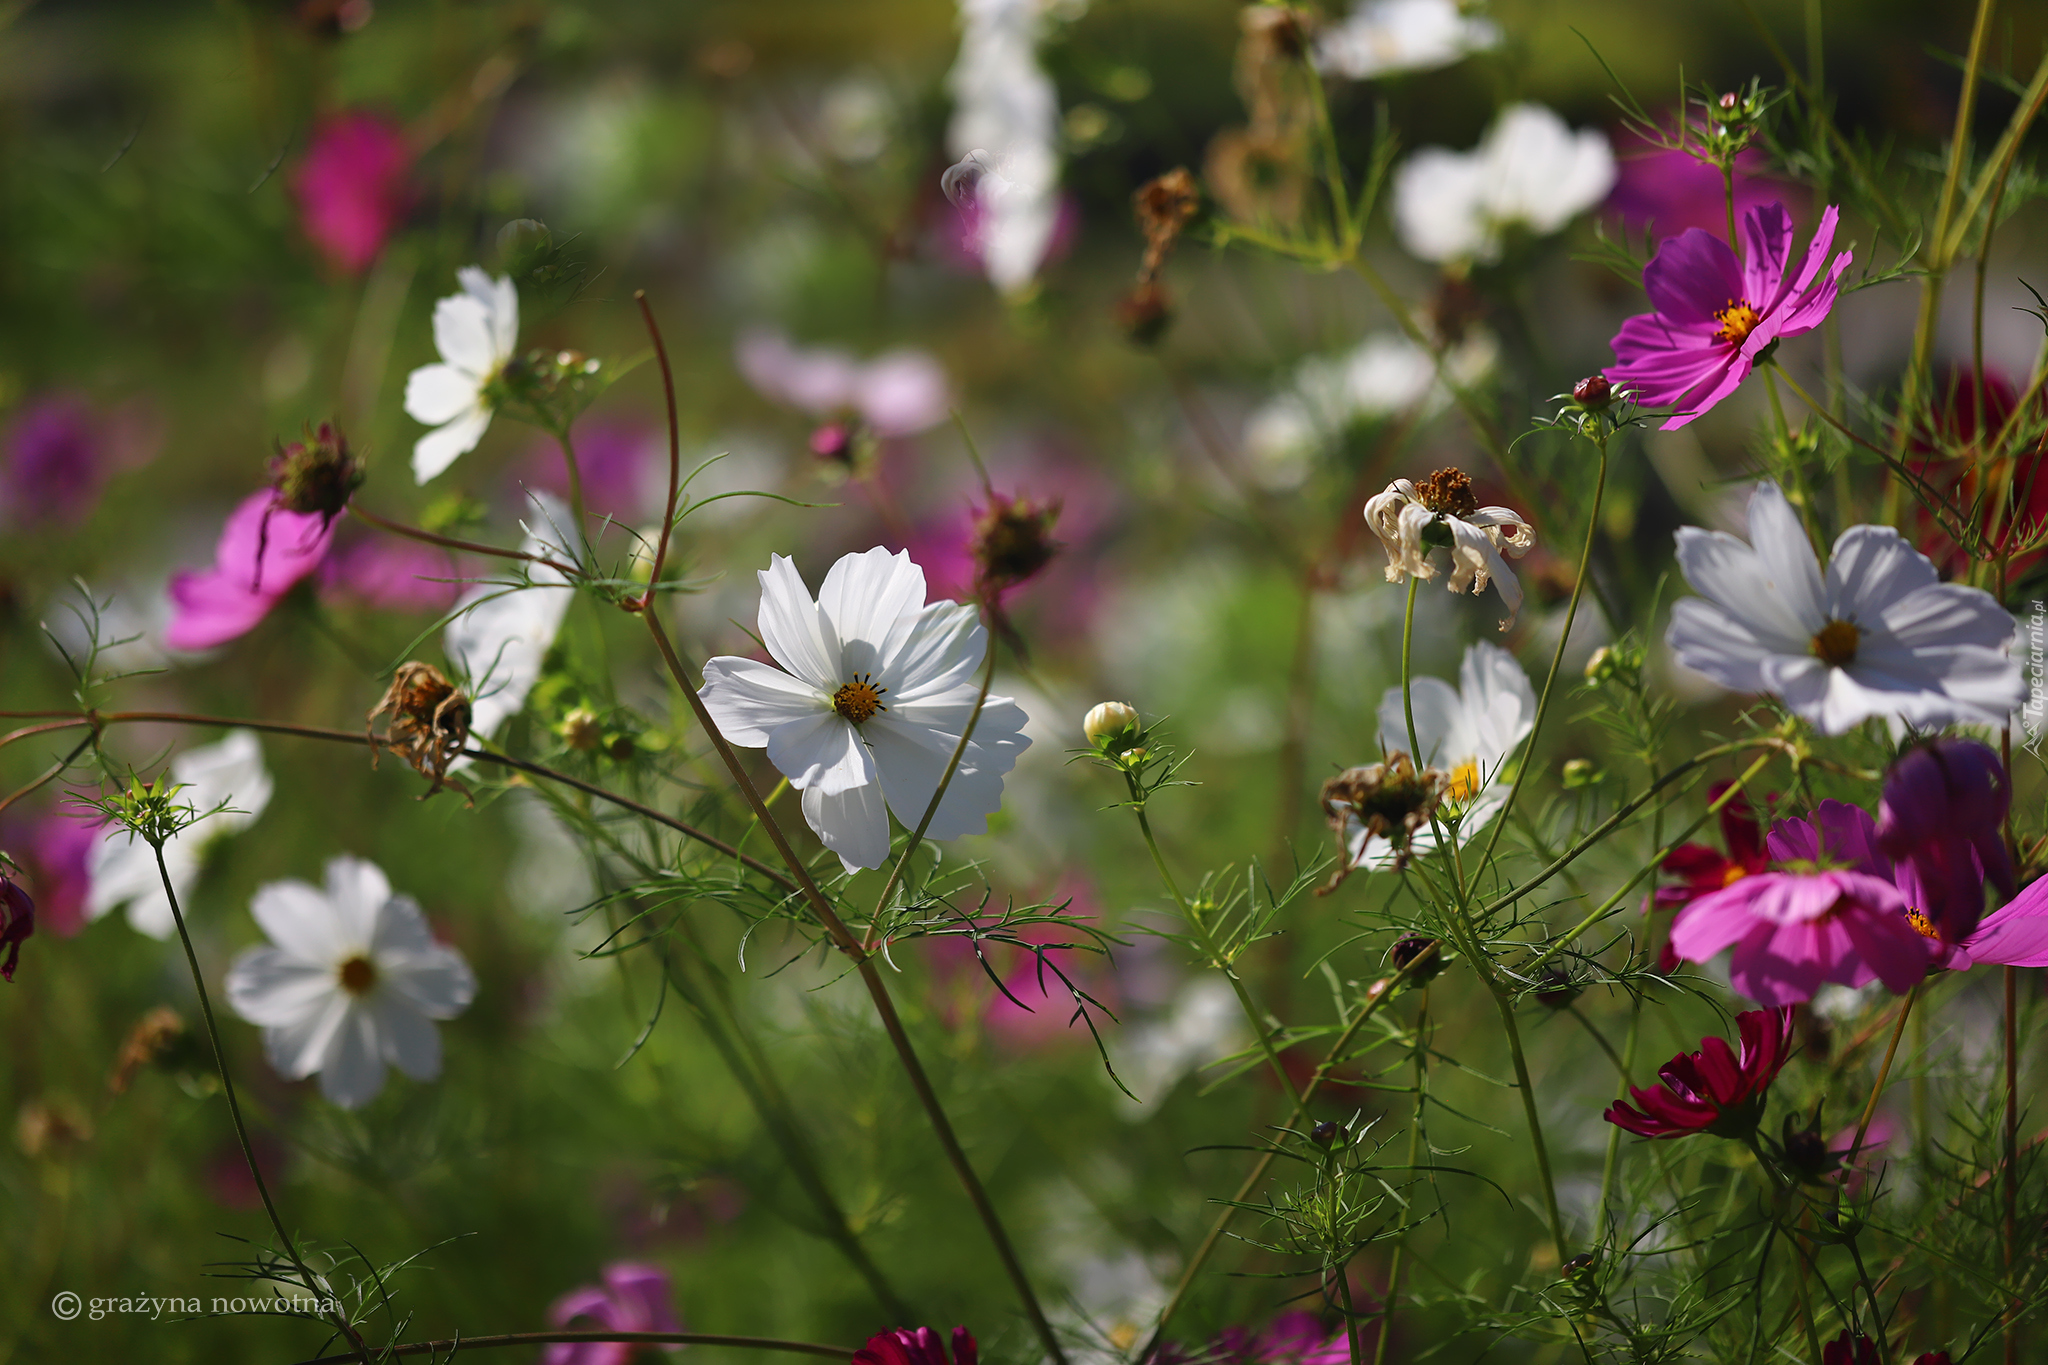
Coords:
1579,772
580,729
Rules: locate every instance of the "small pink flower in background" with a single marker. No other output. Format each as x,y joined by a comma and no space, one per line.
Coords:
1716,315
17,922
1833,915
263,552
618,464
57,847
633,1298
1296,1337
901,1346
58,453
898,393
352,188
1033,1008
1668,191
389,573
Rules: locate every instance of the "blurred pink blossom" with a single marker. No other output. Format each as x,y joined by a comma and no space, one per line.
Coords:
58,453
352,187
898,393
58,844
390,573
616,461
1034,1009
263,552
1667,192
633,1298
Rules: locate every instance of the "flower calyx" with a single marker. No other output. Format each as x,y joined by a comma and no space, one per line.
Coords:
1012,542
317,475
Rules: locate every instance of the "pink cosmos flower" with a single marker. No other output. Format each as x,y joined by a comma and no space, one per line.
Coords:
1831,915
633,1298
59,845
390,573
352,187
56,462
1942,821
263,551
901,1346
616,461
1671,190
1715,1090
898,393
1717,315
2015,935
17,922
1296,1337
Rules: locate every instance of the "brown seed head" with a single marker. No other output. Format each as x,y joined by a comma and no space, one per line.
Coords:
1012,542
1143,312
1448,492
154,1035
429,724
317,474
1164,206
1392,800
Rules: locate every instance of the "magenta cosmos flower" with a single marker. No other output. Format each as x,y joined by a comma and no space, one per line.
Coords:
633,1298
352,187
1828,911
1296,1337
902,1346
263,551
1717,315
17,922
1715,1090
1941,821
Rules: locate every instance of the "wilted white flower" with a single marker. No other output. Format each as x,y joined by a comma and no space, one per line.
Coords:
1385,374
1530,171
1467,733
1878,635
1005,130
1415,523
499,635
1386,37
123,868
353,980
873,692
476,332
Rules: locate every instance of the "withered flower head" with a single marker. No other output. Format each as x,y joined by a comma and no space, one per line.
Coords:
316,475
1164,205
1143,312
155,1034
1392,800
429,724
1012,542
1448,490
1258,176
51,1127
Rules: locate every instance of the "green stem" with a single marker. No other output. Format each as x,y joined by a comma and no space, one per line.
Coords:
1884,1070
1379,1354
314,1286
1612,1161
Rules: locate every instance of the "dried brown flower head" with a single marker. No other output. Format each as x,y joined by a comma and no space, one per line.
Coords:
1165,204
51,1127
1012,541
429,724
1448,491
155,1034
317,474
1391,800
1259,176
1143,312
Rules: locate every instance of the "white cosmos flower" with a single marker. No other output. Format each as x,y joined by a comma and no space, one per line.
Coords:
499,635
1878,635
1385,374
1468,732
1005,130
353,980
476,332
1441,517
1529,171
873,692
123,868
1386,37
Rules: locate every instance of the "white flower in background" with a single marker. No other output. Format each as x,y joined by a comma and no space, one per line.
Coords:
1005,131
1384,375
354,980
1387,37
476,332
1878,635
1203,1024
1530,171
898,393
1417,523
123,868
1467,732
873,692
499,635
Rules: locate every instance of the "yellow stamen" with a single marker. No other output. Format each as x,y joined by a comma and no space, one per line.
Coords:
1735,873
1464,783
1737,321
859,699
1834,644
1922,924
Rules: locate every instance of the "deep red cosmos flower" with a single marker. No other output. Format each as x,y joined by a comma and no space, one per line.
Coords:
17,922
1704,869
1715,1090
901,1346
2007,493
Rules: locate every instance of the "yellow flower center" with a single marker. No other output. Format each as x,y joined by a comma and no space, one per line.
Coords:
1835,644
1737,321
1735,873
859,699
1464,783
1922,924
358,975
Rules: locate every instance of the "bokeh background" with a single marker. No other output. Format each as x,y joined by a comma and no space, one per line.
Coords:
774,168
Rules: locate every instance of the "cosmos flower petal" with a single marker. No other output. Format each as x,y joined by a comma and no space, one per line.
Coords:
297,918
865,596
1709,641
912,759
1695,402
435,394
352,1069
1892,948
1943,615
499,635
1767,250
794,631
1437,710
1870,569
438,983
749,700
299,1046
853,823
463,335
1817,249
2016,934
940,651
643,1297
1714,922
277,988
407,1038
441,447
1786,556
1732,576
1692,278
823,751
358,893
1808,312
903,392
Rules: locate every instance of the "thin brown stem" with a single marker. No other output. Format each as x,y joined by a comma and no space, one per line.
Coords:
399,528
451,1345
675,449
1884,1071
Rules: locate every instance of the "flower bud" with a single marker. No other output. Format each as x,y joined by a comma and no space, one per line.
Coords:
1012,542
580,729
1143,312
1579,772
316,475
1558,990
1325,1133
1808,1157
1595,391
17,919
1110,724
1420,954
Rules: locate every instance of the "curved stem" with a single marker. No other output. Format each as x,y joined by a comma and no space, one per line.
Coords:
675,449
1379,1354
451,1345
1884,1070
306,1277
451,543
